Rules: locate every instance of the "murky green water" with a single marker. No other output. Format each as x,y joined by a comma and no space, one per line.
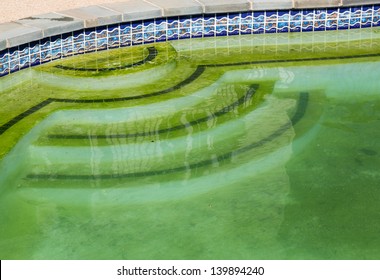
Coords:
262,147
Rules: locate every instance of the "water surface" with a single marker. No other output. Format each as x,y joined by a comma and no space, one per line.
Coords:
252,147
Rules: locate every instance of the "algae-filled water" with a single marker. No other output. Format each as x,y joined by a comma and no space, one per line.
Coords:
252,147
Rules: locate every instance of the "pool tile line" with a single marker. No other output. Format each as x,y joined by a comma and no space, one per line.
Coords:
302,104
42,50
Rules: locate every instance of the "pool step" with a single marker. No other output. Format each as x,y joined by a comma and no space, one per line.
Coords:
226,142
199,111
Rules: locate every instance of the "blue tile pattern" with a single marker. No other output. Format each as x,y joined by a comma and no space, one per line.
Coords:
174,28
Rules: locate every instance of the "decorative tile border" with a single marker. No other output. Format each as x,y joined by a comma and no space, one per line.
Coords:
183,27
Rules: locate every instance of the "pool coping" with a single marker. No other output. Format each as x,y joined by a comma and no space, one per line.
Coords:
34,28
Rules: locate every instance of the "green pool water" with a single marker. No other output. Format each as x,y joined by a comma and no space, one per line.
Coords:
251,147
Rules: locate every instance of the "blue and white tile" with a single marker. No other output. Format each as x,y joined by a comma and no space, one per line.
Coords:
24,62
90,34
282,26
307,25
14,65
295,26
295,15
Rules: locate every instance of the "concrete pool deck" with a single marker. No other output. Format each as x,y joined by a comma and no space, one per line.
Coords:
29,20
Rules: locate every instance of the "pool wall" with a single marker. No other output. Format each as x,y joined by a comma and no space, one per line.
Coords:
35,40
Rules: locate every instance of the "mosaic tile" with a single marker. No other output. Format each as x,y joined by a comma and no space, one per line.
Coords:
270,16
125,34
344,13
258,27
355,22
102,34
271,27
125,40
34,53
332,14
13,54
24,50
367,12
376,21
356,11
246,26
319,25
196,32
221,30
209,31
172,34
222,19
161,25
24,62
160,35
258,17
137,38
320,14
270,21
56,42
137,27
102,43
209,26
149,36
283,26
125,29
90,34
209,21
113,37
4,63
184,22
331,24
283,16
184,33
307,25
295,26
295,15
366,22
343,23
57,53
173,28
173,23
45,45
234,24
14,65
67,38
46,55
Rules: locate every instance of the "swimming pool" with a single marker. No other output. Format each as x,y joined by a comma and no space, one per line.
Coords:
244,147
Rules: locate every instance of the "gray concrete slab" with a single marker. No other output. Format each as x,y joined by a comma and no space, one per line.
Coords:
178,7
261,5
134,10
224,6
53,23
94,15
301,4
359,2
16,34
3,44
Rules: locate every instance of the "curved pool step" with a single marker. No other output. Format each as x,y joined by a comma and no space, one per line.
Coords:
146,123
191,151
153,52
